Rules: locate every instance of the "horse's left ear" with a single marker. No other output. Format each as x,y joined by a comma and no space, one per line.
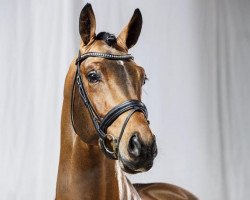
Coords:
87,24
130,33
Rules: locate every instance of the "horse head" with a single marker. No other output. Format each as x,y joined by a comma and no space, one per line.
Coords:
106,106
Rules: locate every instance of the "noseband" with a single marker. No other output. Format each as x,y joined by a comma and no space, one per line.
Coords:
102,124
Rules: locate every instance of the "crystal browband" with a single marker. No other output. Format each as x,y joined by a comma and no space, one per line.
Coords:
103,55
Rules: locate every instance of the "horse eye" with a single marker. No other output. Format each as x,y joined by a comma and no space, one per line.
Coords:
93,77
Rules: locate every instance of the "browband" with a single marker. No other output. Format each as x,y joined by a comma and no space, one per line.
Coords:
103,55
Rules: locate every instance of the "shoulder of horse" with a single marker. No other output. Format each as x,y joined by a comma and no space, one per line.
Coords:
163,191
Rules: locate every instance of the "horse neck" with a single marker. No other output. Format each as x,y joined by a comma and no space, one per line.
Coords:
84,172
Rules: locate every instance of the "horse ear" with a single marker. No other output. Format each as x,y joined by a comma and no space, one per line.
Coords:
87,24
130,33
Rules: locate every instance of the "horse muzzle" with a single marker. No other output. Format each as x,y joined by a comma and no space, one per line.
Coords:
140,155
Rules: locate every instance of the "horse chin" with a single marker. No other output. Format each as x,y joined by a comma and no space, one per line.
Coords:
129,167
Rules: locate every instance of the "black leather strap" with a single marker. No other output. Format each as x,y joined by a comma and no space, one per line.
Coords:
103,55
113,114
114,153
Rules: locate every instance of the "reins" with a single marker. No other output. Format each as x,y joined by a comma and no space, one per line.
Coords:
101,124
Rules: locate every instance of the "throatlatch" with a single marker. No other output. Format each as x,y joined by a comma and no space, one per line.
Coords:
101,125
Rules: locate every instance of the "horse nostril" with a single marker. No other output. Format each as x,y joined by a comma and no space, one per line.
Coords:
134,147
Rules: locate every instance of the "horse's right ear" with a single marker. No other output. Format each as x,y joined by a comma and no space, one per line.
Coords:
130,33
87,24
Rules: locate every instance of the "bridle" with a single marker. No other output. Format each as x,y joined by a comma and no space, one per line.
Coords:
101,124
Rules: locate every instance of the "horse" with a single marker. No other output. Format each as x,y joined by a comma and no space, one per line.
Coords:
105,130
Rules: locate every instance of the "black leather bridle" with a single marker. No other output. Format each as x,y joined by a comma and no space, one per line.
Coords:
102,124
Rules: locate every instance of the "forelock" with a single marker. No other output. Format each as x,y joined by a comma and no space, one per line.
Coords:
109,38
